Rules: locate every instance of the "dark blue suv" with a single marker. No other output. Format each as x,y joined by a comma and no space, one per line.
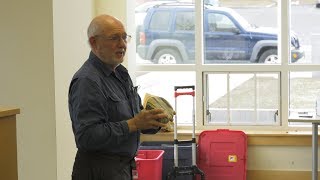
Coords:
167,37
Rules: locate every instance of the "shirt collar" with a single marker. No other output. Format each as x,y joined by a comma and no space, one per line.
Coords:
105,69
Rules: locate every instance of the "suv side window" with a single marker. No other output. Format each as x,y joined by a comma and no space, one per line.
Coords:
212,24
184,21
160,21
220,23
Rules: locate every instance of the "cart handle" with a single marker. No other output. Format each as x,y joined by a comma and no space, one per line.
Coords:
176,94
183,87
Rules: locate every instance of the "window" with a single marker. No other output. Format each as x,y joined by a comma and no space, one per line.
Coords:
304,92
162,84
224,24
242,98
160,21
304,80
247,60
184,21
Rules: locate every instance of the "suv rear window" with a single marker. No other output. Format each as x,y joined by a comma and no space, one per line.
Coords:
185,21
160,21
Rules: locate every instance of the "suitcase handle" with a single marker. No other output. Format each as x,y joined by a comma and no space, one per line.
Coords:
176,94
183,87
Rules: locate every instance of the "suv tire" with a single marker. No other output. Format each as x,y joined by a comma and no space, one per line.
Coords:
269,56
167,56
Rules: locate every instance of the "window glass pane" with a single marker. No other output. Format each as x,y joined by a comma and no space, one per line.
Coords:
241,32
217,102
165,32
184,21
304,91
306,25
162,84
160,21
268,97
243,98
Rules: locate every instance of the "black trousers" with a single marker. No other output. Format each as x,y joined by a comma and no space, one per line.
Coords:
99,166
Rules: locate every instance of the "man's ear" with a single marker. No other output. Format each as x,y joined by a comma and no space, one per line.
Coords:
92,42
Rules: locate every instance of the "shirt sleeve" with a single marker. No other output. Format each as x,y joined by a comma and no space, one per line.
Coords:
92,128
150,131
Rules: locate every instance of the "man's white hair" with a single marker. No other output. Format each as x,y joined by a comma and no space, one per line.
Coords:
98,24
93,29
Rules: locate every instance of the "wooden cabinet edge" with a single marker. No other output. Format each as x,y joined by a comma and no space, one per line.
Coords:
8,111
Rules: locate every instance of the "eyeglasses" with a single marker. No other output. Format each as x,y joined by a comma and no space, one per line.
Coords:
116,38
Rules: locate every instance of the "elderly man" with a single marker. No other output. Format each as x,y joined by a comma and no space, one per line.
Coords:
105,108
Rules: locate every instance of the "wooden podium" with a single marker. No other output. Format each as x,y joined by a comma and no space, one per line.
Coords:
8,144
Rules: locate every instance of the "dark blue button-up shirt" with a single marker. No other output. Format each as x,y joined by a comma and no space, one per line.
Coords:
100,102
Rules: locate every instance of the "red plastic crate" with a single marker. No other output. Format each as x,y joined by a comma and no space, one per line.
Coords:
149,164
222,154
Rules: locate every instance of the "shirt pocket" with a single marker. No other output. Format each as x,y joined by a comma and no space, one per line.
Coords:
118,109
136,102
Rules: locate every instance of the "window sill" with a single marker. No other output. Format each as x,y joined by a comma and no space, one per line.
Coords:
257,138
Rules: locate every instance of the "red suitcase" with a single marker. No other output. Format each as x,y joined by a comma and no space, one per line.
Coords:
222,154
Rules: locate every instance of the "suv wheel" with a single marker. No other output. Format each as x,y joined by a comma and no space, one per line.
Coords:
269,56
167,56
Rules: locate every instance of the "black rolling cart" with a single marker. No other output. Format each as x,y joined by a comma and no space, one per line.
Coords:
192,169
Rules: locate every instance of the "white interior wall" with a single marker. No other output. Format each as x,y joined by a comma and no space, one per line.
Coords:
285,158
71,50
37,62
27,82
71,19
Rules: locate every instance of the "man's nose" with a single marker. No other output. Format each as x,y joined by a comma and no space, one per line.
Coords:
122,42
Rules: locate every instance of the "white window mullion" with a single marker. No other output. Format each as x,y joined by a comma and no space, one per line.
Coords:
284,54
255,99
200,108
229,114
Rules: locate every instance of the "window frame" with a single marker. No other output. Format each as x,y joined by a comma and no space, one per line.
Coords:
284,24
229,110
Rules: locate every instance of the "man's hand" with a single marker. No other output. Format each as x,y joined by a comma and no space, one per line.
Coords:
147,119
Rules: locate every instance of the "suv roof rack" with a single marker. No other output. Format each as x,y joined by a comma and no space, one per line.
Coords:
175,4
178,4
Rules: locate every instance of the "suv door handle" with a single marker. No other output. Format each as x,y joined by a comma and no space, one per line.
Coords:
213,36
